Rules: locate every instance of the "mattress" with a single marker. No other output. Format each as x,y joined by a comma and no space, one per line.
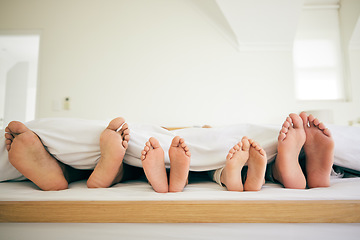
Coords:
199,188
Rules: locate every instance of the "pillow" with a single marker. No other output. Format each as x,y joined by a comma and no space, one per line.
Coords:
347,146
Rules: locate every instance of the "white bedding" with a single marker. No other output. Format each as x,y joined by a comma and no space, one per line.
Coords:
199,189
76,142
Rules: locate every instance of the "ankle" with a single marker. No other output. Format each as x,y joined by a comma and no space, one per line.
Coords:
57,185
252,185
316,179
289,179
232,182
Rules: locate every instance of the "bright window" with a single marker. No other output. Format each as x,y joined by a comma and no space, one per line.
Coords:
317,56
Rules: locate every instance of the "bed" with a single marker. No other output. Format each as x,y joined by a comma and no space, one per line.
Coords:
134,202
202,201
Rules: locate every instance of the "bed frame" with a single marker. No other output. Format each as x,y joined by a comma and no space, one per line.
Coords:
210,211
274,211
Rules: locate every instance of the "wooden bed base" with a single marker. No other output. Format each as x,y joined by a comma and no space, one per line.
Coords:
274,211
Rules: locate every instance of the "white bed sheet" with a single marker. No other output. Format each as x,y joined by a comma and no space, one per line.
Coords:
139,190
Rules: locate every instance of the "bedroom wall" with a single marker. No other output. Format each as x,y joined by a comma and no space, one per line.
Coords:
158,61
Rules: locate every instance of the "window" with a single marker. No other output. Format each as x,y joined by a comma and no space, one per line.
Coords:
317,55
18,77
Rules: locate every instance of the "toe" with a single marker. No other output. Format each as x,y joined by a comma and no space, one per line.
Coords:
316,122
126,138
286,124
289,120
321,126
311,119
281,137
125,126
183,145
304,118
284,130
246,144
327,132
154,142
125,132
9,136
116,123
296,120
175,142
262,152
16,127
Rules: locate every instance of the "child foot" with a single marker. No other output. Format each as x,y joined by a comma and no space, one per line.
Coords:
319,152
113,144
29,156
154,166
235,161
255,178
179,164
286,168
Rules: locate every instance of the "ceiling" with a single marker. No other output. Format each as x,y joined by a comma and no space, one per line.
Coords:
262,23
248,24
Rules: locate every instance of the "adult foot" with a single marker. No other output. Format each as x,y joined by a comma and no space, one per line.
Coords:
235,161
319,151
29,156
113,144
154,166
286,168
255,178
179,154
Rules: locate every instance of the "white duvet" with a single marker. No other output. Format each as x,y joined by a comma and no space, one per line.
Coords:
76,142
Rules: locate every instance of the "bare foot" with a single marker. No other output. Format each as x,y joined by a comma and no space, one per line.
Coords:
255,178
319,152
286,168
113,144
179,164
29,156
235,161
154,166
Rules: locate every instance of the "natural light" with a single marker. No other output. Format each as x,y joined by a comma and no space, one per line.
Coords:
317,70
317,56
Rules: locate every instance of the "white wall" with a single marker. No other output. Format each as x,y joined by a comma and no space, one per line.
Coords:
155,61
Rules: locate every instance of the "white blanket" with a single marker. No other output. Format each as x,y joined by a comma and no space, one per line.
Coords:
76,142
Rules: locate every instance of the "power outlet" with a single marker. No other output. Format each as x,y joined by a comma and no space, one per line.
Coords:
67,103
